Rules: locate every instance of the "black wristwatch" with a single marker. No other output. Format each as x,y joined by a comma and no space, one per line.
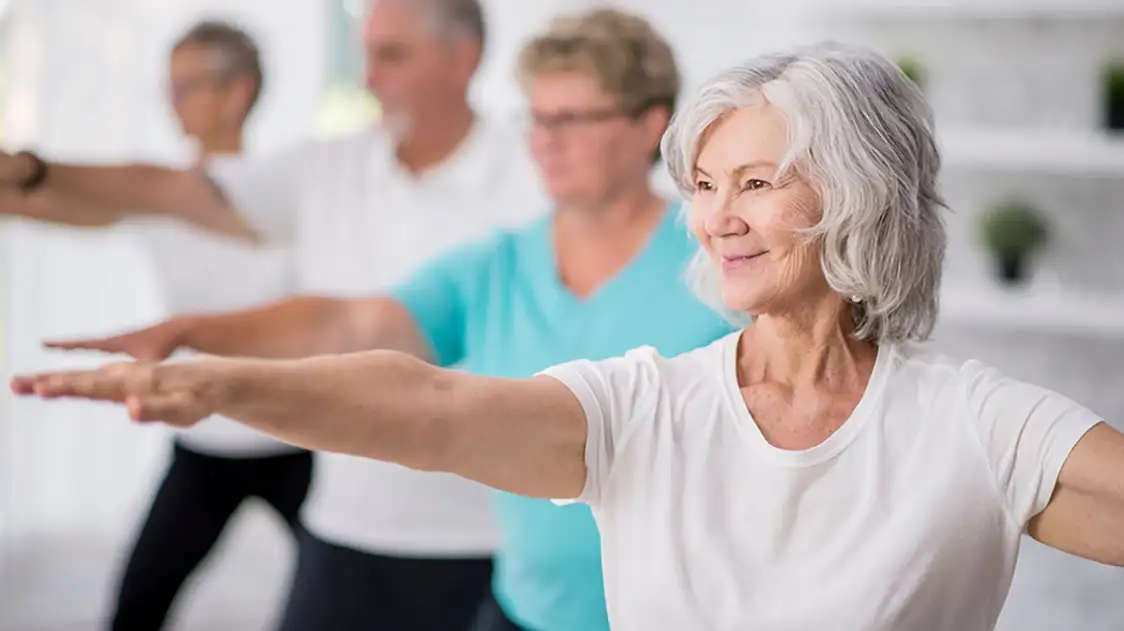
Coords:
38,172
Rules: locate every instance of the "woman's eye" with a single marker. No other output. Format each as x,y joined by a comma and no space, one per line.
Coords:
753,185
703,185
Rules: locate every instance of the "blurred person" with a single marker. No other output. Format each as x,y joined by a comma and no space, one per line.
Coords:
382,546
215,79
599,275
816,469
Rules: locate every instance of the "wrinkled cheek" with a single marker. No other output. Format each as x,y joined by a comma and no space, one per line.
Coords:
801,265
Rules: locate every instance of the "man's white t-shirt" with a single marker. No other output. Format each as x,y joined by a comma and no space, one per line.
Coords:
907,517
359,224
201,272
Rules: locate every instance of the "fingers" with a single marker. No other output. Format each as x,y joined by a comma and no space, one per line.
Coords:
151,392
105,345
23,385
150,345
97,385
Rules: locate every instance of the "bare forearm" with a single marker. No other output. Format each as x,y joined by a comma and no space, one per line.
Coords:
147,188
293,328
365,404
304,327
521,436
140,189
52,207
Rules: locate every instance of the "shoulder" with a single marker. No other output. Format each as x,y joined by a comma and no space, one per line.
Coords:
370,151
927,368
643,376
923,376
978,393
312,157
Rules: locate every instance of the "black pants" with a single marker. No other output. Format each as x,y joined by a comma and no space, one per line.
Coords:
195,501
342,589
492,618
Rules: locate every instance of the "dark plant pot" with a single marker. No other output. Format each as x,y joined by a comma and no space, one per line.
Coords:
1011,268
1114,114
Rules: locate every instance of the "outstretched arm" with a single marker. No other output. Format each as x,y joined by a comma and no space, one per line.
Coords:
52,207
425,318
82,195
522,436
296,327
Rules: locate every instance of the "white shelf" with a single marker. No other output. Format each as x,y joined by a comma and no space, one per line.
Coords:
1046,152
965,9
1030,309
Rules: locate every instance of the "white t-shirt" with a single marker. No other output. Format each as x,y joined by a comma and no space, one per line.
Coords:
907,517
201,272
359,223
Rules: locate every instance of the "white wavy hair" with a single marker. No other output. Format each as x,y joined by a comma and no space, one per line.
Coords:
861,134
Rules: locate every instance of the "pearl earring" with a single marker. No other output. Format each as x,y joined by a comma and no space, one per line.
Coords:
856,299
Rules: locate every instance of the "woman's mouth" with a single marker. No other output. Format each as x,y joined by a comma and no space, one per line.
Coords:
739,261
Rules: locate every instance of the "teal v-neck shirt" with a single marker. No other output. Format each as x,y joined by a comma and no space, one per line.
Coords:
498,308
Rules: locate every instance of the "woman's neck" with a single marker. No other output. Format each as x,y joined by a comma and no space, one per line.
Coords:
808,346
592,242
629,210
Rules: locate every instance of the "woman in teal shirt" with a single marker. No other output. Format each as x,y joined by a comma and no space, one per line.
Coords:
600,275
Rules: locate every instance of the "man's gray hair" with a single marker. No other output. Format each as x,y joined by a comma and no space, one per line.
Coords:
861,134
237,54
455,18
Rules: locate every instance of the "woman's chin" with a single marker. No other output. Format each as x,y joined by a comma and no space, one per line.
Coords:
742,301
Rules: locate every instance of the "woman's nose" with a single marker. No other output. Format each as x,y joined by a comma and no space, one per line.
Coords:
722,221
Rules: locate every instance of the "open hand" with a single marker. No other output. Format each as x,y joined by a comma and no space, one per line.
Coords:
181,393
153,344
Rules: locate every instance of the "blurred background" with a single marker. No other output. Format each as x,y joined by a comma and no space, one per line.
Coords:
1029,98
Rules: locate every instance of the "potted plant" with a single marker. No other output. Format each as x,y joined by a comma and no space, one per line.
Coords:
1014,231
1112,81
911,68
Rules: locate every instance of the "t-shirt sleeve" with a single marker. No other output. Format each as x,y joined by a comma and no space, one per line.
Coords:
442,295
263,190
1027,433
612,394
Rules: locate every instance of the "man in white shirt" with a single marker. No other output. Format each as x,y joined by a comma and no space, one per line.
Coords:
387,547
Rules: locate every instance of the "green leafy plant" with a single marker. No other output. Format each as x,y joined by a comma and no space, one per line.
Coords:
1112,83
1014,231
911,67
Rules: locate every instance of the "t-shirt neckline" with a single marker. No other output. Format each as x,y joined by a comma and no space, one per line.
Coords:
834,444
652,247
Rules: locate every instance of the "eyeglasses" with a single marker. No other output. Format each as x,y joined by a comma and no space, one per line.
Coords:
178,90
574,119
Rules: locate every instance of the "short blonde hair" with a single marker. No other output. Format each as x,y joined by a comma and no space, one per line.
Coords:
626,56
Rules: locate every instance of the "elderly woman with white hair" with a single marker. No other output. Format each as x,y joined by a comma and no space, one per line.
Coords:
817,469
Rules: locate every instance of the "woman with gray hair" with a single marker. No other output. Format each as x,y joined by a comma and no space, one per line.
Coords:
816,451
